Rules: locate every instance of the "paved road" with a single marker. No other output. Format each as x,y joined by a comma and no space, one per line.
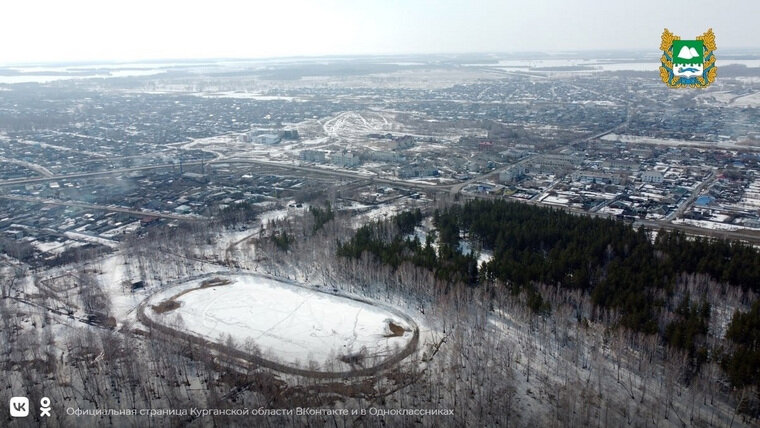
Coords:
457,188
33,166
290,167
339,173
694,195
752,236
49,201
19,181
452,189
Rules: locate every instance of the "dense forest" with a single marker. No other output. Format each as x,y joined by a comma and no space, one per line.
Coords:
447,262
619,267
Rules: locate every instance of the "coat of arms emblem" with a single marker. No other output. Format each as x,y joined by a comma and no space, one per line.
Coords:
688,63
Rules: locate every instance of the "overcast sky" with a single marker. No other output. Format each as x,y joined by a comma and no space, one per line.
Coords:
85,30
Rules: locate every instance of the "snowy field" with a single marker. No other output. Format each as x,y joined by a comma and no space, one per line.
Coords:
706,224
289,324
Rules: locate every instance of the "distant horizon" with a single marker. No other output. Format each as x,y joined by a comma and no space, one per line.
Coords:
47,31
721,52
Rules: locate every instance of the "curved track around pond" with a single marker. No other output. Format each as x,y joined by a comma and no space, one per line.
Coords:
253,360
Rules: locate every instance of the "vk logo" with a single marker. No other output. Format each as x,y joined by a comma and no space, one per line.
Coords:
19,407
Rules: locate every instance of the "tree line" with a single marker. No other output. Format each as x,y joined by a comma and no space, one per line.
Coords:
447,261
621,268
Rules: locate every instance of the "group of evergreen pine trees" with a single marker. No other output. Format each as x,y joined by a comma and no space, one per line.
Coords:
619,267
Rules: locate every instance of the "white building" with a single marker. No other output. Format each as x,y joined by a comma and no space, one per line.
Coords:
345,159
597,177
513,173
317,156
414,171
552,162
623,164
266,139
383,156
651,177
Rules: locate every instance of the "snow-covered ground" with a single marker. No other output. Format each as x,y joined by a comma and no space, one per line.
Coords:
637,139
751,100
465,247
348,124
288,323
91,238
706,224
751,198
555,200
245,95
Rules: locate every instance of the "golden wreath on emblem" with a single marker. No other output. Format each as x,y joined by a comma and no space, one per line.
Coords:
697,76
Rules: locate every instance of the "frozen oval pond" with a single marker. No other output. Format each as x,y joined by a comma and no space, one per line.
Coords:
283,322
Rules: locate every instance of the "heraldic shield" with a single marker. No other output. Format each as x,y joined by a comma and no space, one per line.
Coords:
688,63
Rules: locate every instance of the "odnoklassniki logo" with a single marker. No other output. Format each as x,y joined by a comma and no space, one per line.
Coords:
688,63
